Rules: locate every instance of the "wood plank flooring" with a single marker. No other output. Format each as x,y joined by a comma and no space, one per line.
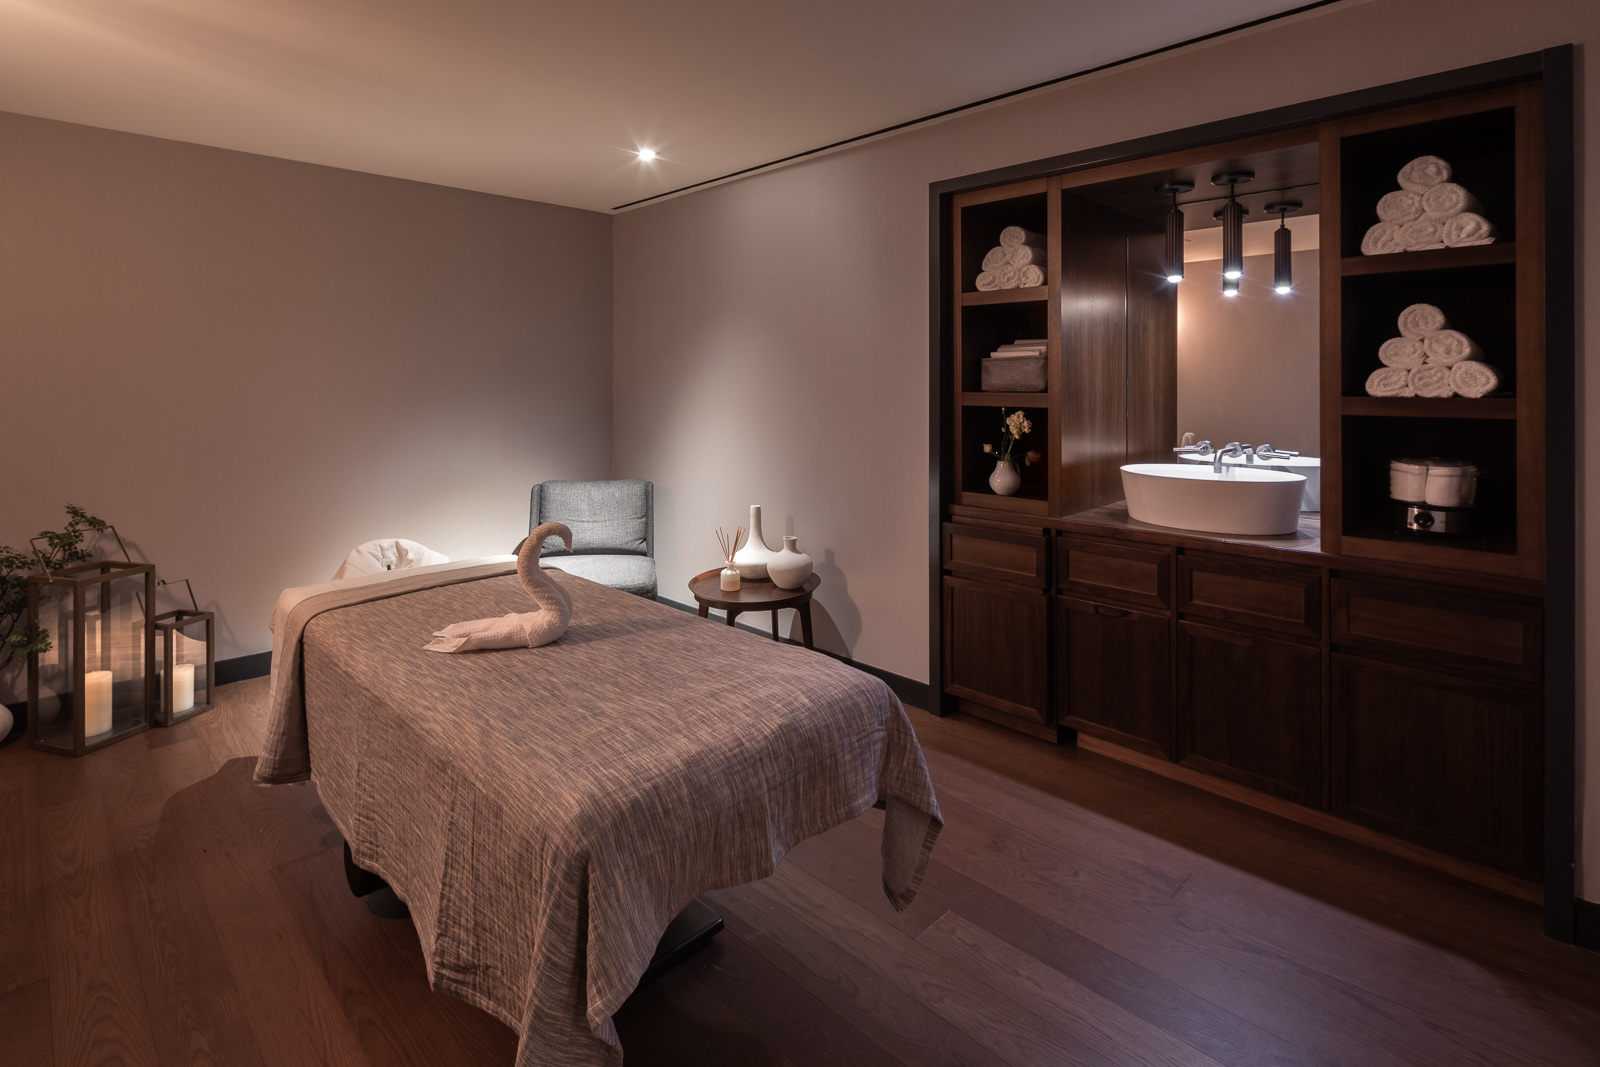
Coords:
162,910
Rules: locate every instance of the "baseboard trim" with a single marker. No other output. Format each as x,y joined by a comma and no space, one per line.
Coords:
909,690
1586,924
243,668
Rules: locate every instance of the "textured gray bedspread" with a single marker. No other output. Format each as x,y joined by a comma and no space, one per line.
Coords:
546,812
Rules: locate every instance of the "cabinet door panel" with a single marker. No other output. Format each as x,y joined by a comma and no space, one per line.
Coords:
1452,764
994,646
1114,673
1250,710
1135,575
995,555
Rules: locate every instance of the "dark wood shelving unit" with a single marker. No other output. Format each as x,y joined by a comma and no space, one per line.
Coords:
1039,293
1409,690
1433,259
1424,407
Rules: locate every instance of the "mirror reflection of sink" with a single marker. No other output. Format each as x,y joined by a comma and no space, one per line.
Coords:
1243,501
1310,466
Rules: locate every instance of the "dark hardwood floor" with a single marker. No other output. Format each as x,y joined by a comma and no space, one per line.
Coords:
160,909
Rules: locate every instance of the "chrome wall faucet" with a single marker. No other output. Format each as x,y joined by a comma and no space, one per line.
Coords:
1232,448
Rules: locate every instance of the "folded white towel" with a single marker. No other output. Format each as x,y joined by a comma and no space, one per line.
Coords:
996,257
1028,277
1422,233
1009,277
387,554
1423,172
1401,352
1389,381
1449,347
1012,236
1474,379
1448,198
1026,256
987,282
1384,239
1469,228
1419,320
1402,205
528,629
1431,379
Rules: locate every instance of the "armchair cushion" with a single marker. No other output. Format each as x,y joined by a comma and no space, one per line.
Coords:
604,517
631,574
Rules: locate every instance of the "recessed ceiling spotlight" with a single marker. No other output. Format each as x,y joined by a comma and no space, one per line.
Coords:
647,154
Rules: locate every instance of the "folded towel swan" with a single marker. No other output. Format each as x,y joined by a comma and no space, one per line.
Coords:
528,629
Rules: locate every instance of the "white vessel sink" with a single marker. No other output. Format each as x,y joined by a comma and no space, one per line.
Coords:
1244,501
1310,466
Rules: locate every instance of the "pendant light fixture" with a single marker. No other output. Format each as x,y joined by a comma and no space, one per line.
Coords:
1174,260
1282,247
1232,215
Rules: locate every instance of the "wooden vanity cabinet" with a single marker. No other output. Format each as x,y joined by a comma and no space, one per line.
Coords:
1113,673
996,625
1250,710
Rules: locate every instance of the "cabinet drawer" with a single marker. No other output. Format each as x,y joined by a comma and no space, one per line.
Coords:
1439,629
997,555
1270,596
1129,574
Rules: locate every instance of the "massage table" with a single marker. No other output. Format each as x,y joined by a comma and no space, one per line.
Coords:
545,813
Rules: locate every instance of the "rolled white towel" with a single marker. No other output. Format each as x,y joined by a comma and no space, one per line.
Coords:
1029,277
1469,228
1401,352
1423,172
1025,256
1474,379
1383,239
1422,233
1389,381
1431,379
1012,236
1448,198
987,282
996,257
1446,348
1402,205
1009,277
1419,320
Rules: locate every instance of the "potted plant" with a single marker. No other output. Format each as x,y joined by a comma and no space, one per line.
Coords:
1006,479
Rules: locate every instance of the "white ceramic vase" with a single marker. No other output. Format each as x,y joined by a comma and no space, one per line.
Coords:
751,560
6,722
790,568
1005,480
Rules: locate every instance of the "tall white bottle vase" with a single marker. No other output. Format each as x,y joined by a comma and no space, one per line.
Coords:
790,568
751,560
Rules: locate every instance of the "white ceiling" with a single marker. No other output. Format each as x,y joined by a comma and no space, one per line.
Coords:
549,101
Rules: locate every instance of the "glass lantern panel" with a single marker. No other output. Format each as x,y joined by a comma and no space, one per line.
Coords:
114,656
189,670
55,667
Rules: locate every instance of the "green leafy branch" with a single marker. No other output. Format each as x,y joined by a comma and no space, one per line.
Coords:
60,548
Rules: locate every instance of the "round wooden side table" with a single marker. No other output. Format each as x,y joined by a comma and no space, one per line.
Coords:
755,596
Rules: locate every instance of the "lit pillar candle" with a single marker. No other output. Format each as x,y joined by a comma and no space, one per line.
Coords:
96,703
182,686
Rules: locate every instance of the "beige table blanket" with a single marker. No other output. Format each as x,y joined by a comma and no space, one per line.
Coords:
545,812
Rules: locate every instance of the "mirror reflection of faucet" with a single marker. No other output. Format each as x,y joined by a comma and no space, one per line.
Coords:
1265,455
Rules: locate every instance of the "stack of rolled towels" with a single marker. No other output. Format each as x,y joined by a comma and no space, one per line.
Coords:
1427,211
1017,262
1430,359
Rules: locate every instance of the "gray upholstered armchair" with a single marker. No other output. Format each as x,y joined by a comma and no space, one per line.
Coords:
613,528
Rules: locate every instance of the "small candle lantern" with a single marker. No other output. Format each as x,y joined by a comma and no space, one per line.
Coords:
94,685
186,660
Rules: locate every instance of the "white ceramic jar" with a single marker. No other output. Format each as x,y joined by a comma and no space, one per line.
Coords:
790,568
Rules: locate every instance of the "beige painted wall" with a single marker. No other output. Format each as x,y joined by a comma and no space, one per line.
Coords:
251,365
1247,365
771,333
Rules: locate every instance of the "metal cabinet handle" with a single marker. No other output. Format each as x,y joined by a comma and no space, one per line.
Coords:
1110,613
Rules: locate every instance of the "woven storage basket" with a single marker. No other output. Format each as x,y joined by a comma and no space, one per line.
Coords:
1019,374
